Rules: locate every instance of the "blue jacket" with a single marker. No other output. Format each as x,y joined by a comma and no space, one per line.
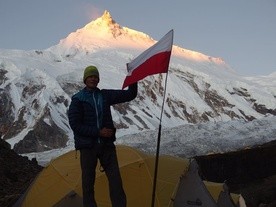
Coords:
89,111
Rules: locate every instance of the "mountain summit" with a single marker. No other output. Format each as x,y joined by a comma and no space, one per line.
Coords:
102,33
105,33
105,22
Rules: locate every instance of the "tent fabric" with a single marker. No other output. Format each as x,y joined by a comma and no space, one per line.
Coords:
225,199
192,190
60,182
72,199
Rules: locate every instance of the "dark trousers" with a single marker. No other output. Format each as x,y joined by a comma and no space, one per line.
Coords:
108,159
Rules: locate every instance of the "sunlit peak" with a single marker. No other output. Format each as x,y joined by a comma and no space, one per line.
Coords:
106,18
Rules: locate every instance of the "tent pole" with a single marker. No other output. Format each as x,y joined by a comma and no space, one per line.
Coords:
158,147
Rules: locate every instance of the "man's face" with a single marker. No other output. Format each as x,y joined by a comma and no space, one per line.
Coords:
91,82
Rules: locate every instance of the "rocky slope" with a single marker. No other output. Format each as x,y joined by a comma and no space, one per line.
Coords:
16,174
248,172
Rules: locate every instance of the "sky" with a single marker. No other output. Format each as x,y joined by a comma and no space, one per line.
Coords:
241,32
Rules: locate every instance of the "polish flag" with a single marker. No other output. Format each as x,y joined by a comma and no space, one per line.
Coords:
152,61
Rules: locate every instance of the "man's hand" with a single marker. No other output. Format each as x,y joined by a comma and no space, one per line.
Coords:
106,132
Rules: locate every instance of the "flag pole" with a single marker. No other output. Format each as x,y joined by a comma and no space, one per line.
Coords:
158,146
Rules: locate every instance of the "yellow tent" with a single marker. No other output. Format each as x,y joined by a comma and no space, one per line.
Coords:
59,184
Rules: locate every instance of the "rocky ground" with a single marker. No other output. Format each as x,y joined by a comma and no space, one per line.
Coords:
16,174
250,172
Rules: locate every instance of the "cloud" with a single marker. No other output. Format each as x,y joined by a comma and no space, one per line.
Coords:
91,11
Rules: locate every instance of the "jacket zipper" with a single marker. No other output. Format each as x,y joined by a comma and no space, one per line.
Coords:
97,114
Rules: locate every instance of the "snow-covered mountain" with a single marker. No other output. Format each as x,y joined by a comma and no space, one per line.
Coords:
36,86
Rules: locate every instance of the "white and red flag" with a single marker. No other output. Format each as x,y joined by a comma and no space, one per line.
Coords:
152,61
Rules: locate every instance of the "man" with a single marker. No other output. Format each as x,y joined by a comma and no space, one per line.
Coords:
94,133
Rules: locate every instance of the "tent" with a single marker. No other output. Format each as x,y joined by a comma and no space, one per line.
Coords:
59,184
193,191
225,199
